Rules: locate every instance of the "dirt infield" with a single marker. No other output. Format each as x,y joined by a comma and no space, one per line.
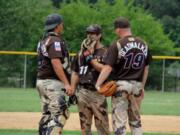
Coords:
27,120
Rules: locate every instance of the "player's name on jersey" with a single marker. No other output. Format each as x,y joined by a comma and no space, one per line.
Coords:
133,45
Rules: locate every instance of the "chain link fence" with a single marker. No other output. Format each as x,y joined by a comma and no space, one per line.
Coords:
18,70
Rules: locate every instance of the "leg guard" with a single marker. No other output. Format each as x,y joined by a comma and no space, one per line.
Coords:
43,124
55,126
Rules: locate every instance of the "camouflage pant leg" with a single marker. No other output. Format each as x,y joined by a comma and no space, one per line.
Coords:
46,115
119,114
53,101
134,115
92,104
134,108
126,106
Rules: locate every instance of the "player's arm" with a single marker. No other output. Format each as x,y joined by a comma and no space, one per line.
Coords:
74,80
145,75
75,71
105,72
97,65
146,71
110,59
57,66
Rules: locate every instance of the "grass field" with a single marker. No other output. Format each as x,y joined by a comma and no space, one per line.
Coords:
33,132
154,103
20,100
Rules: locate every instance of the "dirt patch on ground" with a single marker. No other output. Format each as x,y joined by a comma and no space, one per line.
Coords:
28,120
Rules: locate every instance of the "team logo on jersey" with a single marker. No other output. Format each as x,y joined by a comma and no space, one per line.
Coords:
57,46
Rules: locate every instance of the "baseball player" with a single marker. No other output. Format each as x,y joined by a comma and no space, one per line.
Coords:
52,77
85,70
128,59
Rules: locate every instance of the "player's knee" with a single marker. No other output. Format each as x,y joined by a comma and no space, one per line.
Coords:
135,124
56,124
43,124
120,131
62,104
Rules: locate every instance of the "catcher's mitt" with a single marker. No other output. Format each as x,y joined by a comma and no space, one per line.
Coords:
108,88
88,44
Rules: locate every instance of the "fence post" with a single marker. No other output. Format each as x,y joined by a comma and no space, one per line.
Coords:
163,73
25,71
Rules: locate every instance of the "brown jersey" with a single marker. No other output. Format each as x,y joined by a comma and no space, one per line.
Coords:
128,57
87,74
49,48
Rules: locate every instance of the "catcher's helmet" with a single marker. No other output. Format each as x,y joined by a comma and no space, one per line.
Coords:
94,28
52,21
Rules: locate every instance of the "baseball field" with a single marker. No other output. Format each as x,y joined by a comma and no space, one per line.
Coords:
20,113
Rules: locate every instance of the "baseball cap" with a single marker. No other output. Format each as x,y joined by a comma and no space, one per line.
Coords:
121,22
52,21
94,28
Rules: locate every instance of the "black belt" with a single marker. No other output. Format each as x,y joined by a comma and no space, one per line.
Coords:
88,87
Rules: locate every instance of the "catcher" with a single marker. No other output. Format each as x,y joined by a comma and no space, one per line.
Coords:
85,71
52,77
129,59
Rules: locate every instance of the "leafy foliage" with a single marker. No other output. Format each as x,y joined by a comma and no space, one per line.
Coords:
168,12
78,15
22,26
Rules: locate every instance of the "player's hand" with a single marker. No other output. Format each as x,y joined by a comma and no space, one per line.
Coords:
69,90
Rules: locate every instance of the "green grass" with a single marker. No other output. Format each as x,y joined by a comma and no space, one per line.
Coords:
158,103
19,100
33,132
154,103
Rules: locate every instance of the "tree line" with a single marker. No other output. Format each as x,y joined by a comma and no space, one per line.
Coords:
22,24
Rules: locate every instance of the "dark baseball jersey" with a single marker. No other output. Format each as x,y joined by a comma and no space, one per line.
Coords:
49,48
129,59
87,74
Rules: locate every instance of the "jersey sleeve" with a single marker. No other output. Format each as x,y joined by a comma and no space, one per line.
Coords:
55,50
75,65
149,58
111,55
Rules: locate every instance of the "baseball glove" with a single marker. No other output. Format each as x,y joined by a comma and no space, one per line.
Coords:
108,88
88,44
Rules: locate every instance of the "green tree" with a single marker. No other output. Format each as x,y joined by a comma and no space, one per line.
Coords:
78,15
168,12
22,26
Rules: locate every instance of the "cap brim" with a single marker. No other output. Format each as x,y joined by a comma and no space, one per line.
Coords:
50,27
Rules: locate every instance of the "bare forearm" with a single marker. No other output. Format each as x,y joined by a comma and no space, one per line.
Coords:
57,66
104,75
145,75
96,65
74,80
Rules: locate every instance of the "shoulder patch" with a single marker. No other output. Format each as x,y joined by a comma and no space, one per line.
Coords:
57,46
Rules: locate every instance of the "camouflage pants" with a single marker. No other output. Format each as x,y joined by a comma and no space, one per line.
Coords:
127,106
90,104
53,106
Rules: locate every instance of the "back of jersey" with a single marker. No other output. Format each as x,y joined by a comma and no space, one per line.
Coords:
132,56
